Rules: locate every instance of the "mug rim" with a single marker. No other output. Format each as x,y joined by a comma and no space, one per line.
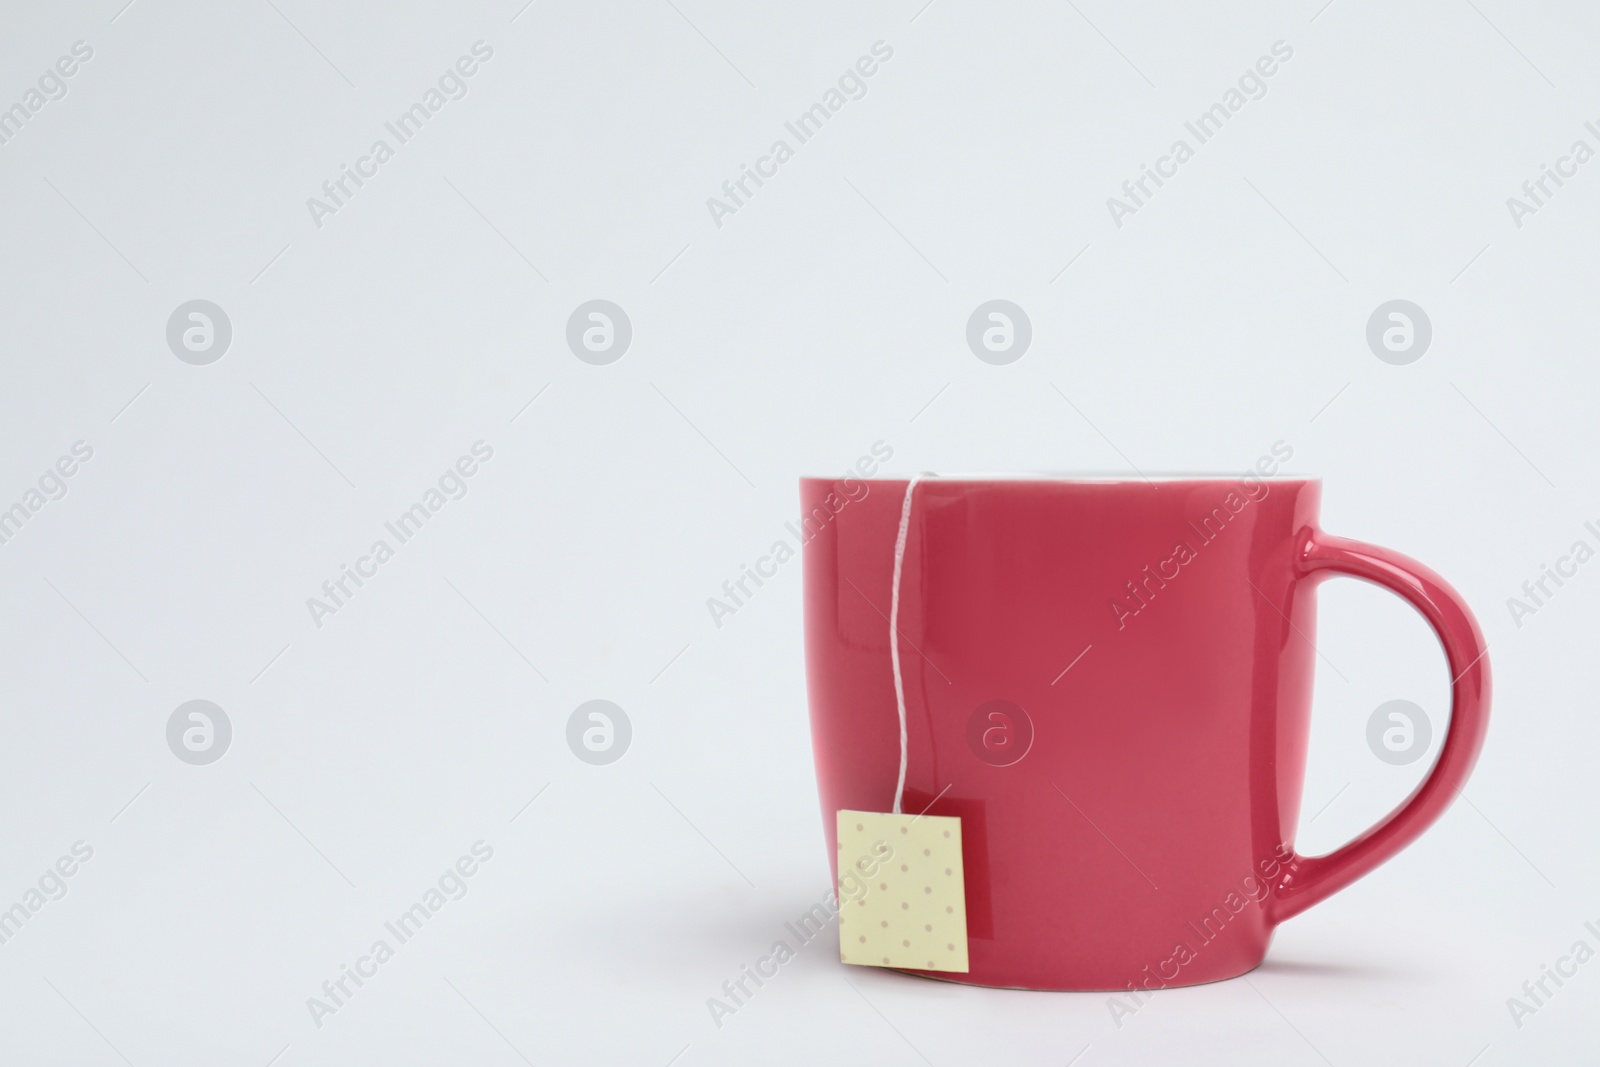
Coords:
1076,477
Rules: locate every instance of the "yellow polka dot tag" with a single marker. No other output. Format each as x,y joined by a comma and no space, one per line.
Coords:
902,895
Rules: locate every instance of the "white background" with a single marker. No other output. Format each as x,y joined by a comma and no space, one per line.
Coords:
828,313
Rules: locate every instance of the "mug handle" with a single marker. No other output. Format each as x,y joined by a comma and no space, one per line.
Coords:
1305,880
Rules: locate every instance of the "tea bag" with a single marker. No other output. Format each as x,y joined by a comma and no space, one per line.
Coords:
902,892
902,896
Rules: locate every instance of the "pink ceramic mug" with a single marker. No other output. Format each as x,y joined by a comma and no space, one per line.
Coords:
1109,682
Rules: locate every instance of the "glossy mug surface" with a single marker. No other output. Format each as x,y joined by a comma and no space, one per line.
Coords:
1109,682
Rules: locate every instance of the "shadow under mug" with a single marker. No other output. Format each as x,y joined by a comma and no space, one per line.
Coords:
1109,682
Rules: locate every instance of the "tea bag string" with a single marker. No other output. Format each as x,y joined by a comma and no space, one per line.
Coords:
894,633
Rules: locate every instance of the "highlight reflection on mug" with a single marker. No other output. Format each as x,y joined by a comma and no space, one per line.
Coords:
1000,733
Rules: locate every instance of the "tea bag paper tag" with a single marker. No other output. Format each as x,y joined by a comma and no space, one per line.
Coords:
902,893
